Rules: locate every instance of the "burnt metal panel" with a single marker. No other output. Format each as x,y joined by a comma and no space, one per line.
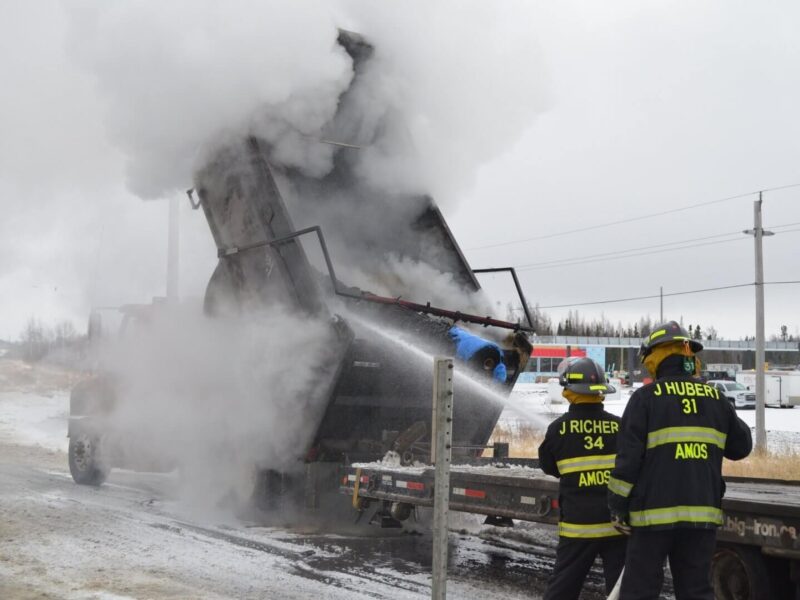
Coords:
243,206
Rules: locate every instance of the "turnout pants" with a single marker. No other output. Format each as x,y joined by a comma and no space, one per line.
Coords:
574,558
689,551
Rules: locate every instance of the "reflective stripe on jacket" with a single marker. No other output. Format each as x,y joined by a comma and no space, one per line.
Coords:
668,472
580,448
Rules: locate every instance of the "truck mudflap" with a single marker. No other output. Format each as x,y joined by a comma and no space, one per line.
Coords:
513,492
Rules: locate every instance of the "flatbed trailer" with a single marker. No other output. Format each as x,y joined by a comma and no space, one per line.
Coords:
758,551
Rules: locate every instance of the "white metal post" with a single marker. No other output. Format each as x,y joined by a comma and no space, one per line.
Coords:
441,448
761,432
758,234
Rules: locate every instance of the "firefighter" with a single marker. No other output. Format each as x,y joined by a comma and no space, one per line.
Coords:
666,487
579,448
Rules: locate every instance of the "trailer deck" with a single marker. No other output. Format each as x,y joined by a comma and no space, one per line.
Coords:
763,513
518,491
758,512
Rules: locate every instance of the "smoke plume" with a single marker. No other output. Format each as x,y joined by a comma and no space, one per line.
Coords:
357,134
179,77
217,399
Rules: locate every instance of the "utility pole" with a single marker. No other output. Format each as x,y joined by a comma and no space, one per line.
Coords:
661,299
758,234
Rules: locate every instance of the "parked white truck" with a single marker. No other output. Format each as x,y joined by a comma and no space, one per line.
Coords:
782,387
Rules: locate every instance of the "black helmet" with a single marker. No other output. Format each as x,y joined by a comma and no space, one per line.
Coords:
670,331
583,376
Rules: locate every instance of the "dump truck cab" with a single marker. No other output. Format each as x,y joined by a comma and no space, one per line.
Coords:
93,450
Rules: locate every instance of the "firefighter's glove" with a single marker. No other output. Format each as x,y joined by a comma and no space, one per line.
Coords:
620,522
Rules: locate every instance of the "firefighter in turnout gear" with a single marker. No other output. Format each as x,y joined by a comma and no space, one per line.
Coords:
579,448
666,487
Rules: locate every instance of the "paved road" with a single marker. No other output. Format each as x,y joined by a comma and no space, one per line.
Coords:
131,538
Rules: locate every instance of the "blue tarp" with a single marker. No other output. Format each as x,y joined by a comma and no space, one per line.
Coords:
467,344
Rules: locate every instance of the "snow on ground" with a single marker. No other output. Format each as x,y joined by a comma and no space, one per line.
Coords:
134,537
530,406
35,420
128,539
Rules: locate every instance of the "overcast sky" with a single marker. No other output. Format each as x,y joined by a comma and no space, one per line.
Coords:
545,118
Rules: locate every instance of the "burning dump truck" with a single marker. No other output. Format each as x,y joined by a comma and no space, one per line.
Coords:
284,239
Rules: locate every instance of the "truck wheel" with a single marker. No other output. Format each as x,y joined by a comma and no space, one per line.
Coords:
84,463
739,573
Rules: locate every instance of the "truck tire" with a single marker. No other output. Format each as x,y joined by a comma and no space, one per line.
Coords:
84,463
739,573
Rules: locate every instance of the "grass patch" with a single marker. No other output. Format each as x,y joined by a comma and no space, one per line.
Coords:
523,440
782,464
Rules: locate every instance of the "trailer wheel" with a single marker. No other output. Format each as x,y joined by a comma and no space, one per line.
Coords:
84,460
739,573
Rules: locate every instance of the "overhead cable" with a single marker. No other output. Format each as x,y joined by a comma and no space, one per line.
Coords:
652,296
713,289
602,255
631,219
636,252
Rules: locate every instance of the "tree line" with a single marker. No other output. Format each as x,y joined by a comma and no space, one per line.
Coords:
576,324
58,343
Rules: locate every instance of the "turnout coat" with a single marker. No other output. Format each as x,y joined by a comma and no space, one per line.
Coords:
580,448
668,471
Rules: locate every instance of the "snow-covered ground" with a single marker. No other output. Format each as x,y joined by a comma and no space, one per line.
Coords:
35,420
135,537
530,406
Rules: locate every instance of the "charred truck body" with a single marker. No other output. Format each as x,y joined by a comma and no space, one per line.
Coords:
378,394
281,234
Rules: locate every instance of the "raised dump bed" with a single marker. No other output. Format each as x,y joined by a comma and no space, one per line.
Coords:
384,383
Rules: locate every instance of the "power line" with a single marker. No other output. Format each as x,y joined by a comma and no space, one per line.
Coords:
713,289
784,225
592,257
619,254
684,293
631,219
638,254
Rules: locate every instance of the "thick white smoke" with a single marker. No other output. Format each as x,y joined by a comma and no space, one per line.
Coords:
468,78
180,79
217,398
177,77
